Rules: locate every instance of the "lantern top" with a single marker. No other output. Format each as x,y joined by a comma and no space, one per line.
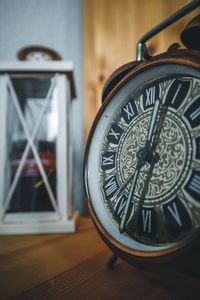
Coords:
40,67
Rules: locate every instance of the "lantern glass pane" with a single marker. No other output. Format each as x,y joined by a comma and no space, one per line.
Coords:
32,128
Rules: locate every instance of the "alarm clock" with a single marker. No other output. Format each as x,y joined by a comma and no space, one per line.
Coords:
142,162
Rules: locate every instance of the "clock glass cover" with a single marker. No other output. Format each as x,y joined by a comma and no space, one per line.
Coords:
143,161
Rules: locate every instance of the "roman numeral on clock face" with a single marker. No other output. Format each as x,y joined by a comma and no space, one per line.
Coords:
193,185
150,95
177,217
129,111
108,160
114,134
177,93
110,187
193,113
147,222
172,208
119,206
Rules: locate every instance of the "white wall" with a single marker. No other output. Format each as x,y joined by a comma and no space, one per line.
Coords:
56,24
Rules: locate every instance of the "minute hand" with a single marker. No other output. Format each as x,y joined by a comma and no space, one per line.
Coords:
140,162
153,121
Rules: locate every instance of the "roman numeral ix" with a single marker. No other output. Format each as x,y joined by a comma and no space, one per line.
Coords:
108,160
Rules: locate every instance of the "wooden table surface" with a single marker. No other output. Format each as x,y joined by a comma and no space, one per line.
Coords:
73,266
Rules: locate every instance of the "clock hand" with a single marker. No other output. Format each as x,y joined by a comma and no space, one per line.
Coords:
161,120
144,193
150,132
142,156
154,160
123,186
131,194
153,122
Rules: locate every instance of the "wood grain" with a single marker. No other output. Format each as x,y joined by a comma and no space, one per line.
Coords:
26,261
73,267
111,29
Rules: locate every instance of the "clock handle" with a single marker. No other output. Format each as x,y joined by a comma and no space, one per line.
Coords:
141,47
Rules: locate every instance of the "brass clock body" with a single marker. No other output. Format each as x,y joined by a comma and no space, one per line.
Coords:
142,161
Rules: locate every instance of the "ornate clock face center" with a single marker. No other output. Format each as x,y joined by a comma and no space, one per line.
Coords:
174,156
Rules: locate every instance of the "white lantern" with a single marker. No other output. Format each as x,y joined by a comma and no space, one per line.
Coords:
36,147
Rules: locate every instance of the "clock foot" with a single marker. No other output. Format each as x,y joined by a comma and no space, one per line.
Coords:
111,262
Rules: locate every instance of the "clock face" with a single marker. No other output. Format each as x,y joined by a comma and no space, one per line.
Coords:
143,167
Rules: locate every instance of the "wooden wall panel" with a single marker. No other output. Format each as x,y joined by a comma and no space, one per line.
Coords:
111,30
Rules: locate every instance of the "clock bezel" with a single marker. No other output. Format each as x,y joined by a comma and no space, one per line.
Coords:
182,57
